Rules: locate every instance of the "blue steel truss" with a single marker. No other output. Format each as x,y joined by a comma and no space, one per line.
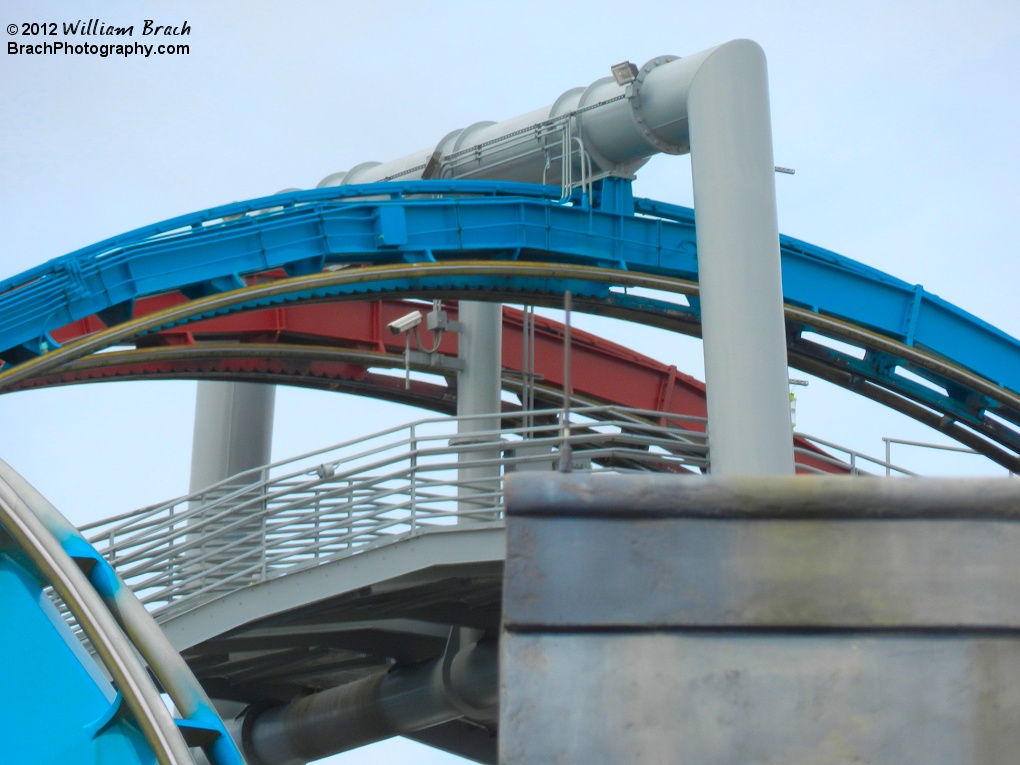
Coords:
209,252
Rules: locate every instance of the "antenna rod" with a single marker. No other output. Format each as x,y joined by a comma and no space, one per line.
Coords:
565,455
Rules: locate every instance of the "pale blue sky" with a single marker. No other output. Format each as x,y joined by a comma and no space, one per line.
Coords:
900,118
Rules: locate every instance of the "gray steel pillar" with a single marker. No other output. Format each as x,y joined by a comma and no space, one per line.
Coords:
479,383
233,430
738,262
233,434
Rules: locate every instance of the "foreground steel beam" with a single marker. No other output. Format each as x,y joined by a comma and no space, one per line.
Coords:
403,700
119,629
762,620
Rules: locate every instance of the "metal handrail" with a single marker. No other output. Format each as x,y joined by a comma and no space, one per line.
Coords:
250,477
400,482
360,493
852,460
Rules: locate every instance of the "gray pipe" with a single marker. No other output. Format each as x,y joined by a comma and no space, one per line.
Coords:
233,434
402,700
714,104
742,321
618,126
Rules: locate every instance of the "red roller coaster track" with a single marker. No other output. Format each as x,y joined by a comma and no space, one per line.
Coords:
336,345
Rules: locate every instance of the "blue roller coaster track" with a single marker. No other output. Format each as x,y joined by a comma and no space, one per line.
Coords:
494,240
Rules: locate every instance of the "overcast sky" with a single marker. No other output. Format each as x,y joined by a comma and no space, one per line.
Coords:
900,118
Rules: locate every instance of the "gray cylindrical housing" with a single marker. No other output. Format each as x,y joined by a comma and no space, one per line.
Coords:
403,700
606,120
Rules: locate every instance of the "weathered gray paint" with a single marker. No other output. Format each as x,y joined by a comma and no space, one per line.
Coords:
760,621
759,698
766,573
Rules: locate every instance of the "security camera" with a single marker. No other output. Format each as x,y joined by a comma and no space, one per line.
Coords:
405,323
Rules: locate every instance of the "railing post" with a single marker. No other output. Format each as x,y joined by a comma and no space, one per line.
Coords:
350,513
264,569
317,524
414,476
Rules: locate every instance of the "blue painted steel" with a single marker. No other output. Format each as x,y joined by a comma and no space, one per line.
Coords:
46,669
223,750
823,281
101,575
423,221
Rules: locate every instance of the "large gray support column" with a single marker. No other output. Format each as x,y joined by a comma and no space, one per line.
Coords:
233,434
233,430
479,346
738,263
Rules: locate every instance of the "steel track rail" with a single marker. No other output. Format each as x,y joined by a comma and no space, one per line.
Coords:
542,283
